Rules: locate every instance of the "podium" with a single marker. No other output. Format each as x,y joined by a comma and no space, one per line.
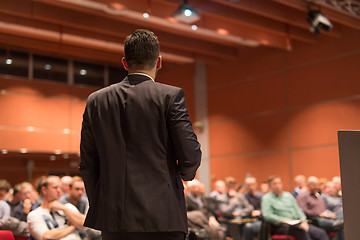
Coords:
349,153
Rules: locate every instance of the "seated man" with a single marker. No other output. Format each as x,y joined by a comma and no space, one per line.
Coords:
233,205
4,206
76,195
219,188
300,185
314,207
54,220
279,207
254,197
332,201
200,216
27,204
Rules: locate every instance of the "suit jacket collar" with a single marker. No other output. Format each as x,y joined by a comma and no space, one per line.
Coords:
137,78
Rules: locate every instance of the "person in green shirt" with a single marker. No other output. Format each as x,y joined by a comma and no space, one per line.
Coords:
281,209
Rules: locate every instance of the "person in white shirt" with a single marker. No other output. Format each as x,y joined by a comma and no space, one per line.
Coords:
54,220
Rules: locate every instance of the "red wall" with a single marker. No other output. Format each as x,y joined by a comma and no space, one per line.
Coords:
276,112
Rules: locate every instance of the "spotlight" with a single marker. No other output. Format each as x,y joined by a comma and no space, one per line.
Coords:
318,20
8,61
185,13
83,72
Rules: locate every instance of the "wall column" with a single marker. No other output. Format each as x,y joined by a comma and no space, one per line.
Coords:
201,122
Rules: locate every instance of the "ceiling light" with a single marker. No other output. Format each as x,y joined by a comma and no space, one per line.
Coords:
66,131
57,151
185,13
8,61
47,67
318,20
146,15
194,27
4,151
83,72
116,5
23,150
222,31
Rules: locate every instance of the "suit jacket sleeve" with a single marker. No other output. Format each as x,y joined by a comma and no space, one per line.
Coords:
187,148
89,157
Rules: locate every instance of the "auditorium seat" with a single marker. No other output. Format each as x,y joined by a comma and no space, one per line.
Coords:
6,235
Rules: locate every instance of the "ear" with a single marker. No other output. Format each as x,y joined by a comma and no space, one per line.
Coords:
159,62
43,190
124,64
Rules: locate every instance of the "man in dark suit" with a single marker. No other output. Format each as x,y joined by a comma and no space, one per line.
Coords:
137,143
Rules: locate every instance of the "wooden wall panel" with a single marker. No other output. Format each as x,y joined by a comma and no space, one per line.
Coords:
318,125
259,133
320,162
247,98
328,80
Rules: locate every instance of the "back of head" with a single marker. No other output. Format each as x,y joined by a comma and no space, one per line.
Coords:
141,50
4,185
230,182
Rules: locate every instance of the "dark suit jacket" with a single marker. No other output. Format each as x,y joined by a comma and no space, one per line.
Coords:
137,143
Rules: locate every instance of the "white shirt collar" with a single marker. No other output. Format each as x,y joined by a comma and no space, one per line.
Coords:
143,75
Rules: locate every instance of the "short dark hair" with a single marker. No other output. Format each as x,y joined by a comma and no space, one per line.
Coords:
141,49
272,178
75,179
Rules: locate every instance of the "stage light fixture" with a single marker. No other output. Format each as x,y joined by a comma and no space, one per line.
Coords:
318,20
185,13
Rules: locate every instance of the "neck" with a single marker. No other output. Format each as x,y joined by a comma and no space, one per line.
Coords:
151,73
277,193
45,204
73,201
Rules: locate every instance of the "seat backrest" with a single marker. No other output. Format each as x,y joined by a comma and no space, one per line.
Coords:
6,235
21,238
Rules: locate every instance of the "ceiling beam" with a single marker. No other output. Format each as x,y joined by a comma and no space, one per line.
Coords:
276,11
83,24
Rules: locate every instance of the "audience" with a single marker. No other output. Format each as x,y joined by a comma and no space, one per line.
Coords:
220,188
233,205
199,213
65,184
14,198
76,195
4,189
264,187
337,182
27,202
332,201
279,207
315,209
4,207
300,185
54,220
253,196
65,204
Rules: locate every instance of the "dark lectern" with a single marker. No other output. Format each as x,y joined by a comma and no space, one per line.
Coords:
349,151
